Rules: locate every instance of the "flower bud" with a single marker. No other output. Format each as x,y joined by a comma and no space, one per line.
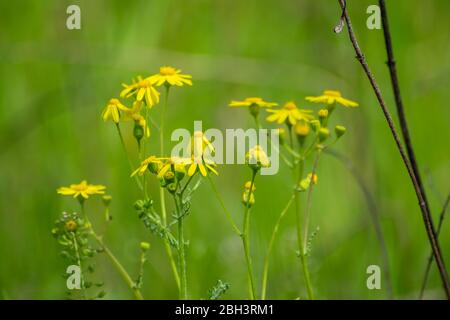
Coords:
106,199
71,225
302,129
324,133
138,131
248,184
180,171
340,131
144,246
254,110
315,124
256,158
169,176
323,115
245,199
172,187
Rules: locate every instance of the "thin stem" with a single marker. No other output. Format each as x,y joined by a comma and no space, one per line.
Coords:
138,182
301,252
246,242
430,259
427,219
83,288
398,99
269,249
225,210
116,263
181,250
308,199
161,193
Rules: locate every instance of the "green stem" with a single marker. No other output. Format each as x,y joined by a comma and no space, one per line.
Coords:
301,251
269,249
161,192
116,263
138,182
246,242
225,210
308,199
181,251
83,288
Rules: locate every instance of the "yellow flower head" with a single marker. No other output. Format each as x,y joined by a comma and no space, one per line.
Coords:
133,114
71,225
82,189
170,76
175,163
252,102
111,111
289,114
202,166
155,164
142,88
331,97
256,157
302,129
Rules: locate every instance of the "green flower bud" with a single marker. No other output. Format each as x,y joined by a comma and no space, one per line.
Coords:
340,131
172,187
144,246
106,199
324,133
180,171
138,131
169,176
315,124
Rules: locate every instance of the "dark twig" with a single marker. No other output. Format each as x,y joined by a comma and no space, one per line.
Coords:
430,259
425,213
373,212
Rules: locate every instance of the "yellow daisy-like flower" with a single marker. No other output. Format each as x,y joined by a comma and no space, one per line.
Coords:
133,114
111,111
142,88
289,114
173,162
170,76
256,156
153,161
331,97
253,101
203,166
82,189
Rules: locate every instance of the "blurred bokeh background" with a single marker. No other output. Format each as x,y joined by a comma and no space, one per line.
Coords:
55,82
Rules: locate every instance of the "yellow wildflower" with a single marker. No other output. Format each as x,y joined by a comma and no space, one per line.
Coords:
202,165
253,101
82,189
256,157
331,97
154,162
133,114
142,88
289,114
170,76
176,162
111,111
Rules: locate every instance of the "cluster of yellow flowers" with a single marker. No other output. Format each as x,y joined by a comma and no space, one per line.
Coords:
143,90
170,171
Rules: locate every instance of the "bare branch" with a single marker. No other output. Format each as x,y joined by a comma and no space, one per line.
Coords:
425,212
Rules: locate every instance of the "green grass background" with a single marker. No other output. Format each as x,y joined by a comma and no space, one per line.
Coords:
55,82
